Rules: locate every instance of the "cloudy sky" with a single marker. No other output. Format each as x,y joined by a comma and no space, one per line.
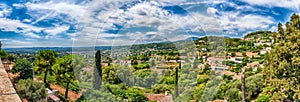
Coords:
46,23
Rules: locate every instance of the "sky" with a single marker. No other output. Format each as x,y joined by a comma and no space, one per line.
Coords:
61,23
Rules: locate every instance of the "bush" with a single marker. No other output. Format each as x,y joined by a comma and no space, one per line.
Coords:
135,95
202,79
160,88
263,98
31,90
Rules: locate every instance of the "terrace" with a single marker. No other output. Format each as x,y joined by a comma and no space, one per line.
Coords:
7,91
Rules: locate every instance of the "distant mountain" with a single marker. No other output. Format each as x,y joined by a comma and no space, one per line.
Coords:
58,49
192,38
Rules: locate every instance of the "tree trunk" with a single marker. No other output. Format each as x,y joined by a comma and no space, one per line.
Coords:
66,92
243,86
45,76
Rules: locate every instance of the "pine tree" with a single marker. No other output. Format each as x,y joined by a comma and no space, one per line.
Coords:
45,59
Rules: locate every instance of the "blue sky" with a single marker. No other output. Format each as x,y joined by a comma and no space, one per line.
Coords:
48,23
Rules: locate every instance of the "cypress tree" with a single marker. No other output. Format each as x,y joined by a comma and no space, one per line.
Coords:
176,79
97,71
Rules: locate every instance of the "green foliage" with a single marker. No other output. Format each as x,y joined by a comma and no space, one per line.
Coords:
205,70
263,98
142,66
135,95
202,79
31,90
283,62
254,85
119,90
109,75
97,82
24,67
160,88
257,33
146,78
198,92
233,95
45,59
64,69
91,95
3,54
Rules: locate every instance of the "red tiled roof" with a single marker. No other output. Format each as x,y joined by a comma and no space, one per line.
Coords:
250,54
159,97
253,64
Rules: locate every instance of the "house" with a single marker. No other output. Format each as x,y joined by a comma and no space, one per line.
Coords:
160,97
172,61
264,51
239,54
214,67
253,64
249,39
228,73
236,59
251,54
258,44
182,57
203,49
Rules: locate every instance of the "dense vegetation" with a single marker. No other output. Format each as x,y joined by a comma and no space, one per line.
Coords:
159,67
31,90
283,63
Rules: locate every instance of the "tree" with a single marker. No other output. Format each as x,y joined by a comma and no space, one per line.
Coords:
97,71
0,45
31,90
176,80
63,69
263,98
45,59
135,95
283,64
24,67
233,95
3,54
109,75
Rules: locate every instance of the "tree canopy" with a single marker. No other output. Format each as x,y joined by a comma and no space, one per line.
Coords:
283,62
45,59
24,67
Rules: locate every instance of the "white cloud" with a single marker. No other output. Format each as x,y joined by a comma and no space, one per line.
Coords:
147,14
56,30
17,26
73,10
32,35
291,4
5,10
242,23
211,10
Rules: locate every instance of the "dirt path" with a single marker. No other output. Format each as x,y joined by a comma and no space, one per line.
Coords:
71,95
